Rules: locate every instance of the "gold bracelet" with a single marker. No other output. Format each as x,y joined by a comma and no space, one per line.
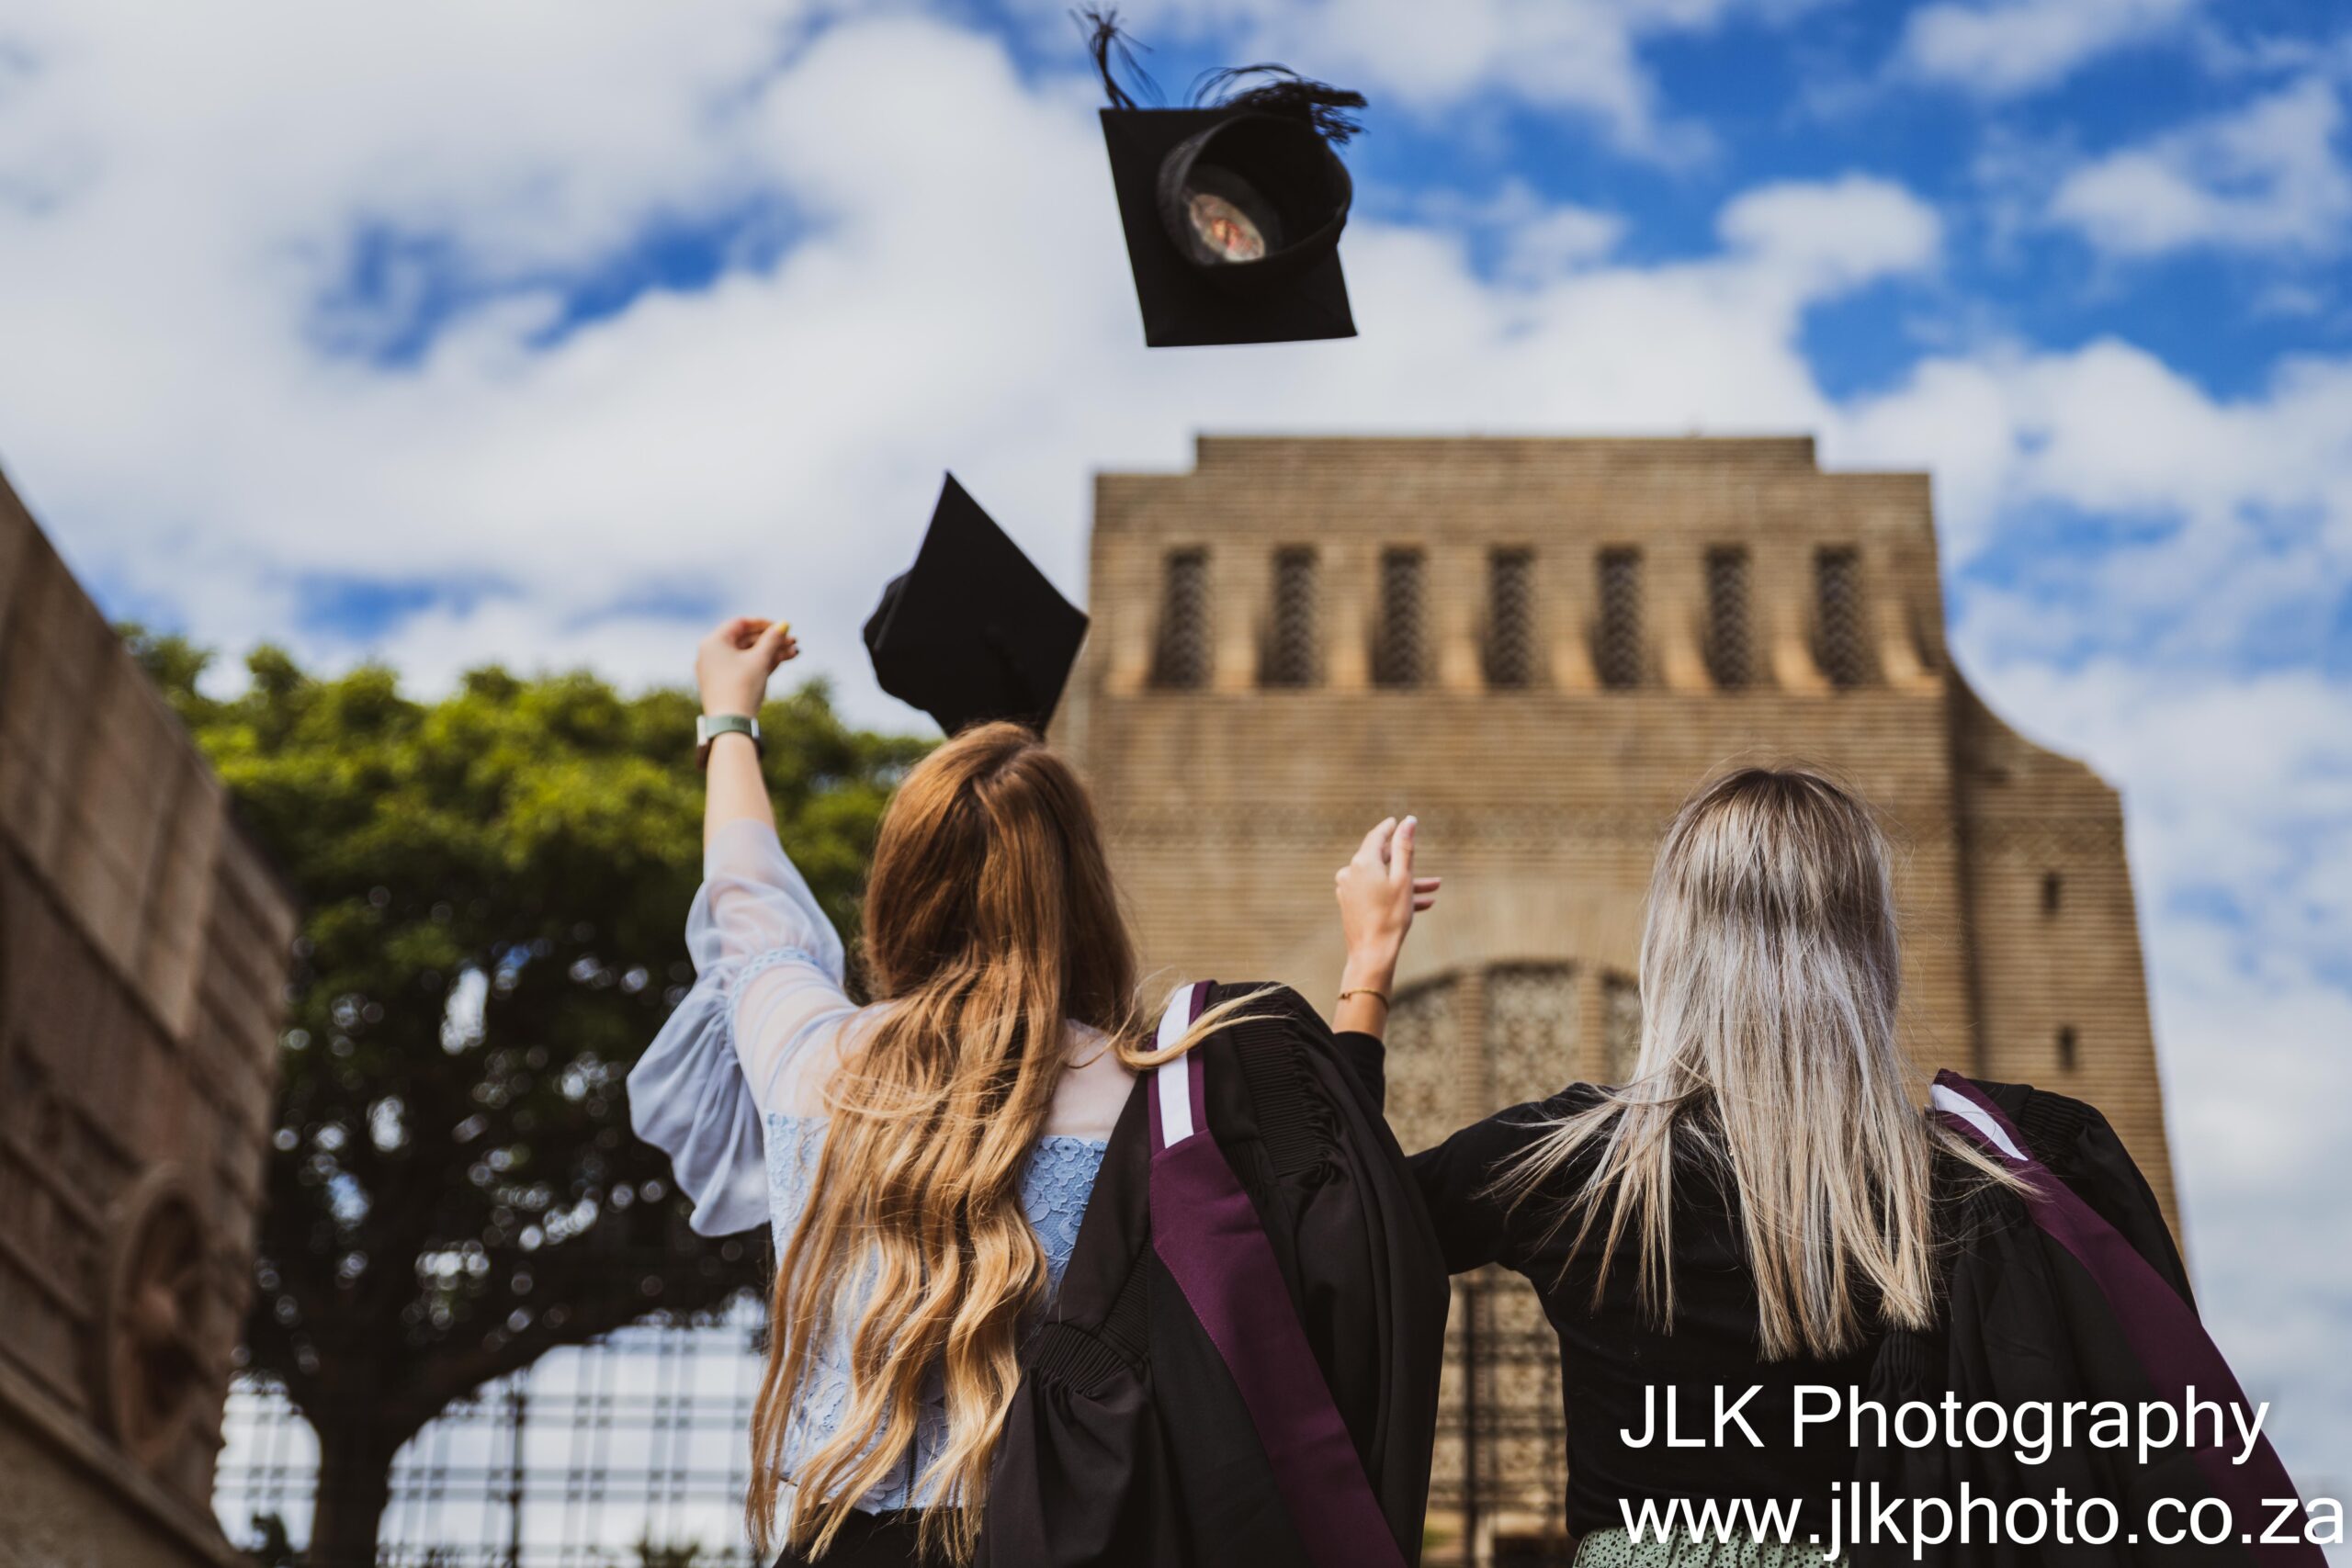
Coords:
1365,991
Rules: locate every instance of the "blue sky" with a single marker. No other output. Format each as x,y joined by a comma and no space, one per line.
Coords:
543,332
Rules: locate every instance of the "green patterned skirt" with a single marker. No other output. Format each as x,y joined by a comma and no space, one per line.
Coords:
1615,1549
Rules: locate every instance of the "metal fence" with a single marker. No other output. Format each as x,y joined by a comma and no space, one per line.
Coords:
1499,1488
631,1452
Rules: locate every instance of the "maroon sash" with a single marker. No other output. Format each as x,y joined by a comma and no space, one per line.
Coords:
1207,1234
2162,1330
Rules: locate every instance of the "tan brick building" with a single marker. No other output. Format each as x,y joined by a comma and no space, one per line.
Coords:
142,948
1540,646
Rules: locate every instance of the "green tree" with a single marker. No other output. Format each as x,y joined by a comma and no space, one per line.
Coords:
686,1554
272,1548
494,888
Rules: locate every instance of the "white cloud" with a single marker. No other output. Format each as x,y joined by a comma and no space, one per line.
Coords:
1828,238
1558,240
1536,238
1997,48
778,432
1579,55
2266,178
2110,429
2238,791
531,132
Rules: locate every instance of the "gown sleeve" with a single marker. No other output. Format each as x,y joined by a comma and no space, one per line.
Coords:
1475,1226
1471,1226
1366,1056
767,1008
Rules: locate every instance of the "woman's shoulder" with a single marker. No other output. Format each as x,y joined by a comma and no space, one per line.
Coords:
1093,1089
804,1075
1572,1100
1517,1125
1581,1096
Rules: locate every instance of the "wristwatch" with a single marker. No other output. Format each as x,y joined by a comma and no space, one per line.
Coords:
709,726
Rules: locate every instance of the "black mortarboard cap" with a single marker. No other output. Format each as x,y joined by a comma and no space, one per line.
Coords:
1232,209
973,631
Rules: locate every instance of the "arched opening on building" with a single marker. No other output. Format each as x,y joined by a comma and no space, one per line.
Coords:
1462,1045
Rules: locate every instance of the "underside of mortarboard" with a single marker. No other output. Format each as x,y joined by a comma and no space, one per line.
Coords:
1233,206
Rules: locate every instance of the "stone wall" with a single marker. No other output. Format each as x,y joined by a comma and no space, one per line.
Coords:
143,946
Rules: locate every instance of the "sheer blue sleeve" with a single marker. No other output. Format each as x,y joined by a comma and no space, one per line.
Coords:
758,1033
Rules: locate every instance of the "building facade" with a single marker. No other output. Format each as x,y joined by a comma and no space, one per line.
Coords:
1540,646
143,949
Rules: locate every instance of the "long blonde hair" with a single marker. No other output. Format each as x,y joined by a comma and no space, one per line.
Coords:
1772,973
991,924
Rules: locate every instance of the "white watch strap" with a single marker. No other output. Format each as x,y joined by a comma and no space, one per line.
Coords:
709,726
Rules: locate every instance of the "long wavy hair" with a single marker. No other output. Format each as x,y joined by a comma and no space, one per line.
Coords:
1771,976
990,925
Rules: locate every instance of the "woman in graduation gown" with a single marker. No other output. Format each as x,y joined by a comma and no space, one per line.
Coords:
1752,1212
1780,1201
924,1161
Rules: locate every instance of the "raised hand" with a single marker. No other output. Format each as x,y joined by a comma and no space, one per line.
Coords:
733,663
1378,897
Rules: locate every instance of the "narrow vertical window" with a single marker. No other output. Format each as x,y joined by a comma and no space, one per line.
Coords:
1181,657
1839,646
2066,1047
1730,661
1397,652
2053,892
1510,618
1617,640
1289,656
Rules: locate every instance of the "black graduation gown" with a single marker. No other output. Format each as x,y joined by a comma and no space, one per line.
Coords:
1241,1365
2078,1295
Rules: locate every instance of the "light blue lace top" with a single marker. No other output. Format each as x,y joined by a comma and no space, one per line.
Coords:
1053,1193
732,1090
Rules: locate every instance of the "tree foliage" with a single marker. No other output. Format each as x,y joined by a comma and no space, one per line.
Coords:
494,887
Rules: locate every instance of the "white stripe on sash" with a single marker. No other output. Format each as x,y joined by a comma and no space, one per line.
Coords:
1968,1110
1171,1082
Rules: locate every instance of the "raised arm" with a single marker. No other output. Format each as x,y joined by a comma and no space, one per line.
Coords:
1378,898
763,1021
731,670
1474,1221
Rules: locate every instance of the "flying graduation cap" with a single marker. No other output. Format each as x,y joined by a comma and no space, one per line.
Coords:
1233,206
973,631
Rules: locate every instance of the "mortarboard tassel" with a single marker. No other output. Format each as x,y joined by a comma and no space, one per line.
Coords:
1103,41
1319,104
